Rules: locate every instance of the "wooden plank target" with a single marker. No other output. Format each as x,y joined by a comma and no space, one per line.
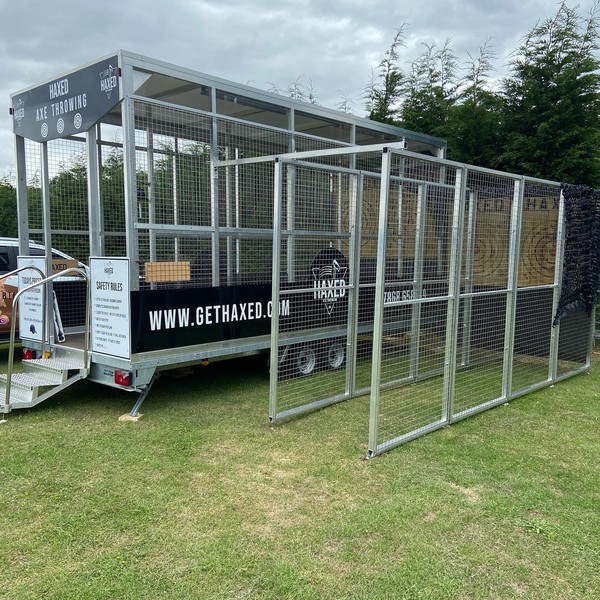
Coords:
537,242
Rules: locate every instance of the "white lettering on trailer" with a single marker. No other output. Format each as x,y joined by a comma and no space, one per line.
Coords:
174,318
59,88
401,296
326,289
170,318
184,317
155,320
71,104
108,84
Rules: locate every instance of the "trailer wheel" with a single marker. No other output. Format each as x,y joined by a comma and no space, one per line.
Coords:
336,356
305,359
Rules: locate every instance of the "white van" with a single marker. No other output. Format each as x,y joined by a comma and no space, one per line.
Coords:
9,251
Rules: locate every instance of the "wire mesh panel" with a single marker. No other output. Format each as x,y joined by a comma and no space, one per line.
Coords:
112,194
574,345
413,307
481,337
304,143
62,162
369,189
536,290
174,209
531,350
250,140
67,188
539,229
245,195
480,352
476,328
316,287
213,227
69,196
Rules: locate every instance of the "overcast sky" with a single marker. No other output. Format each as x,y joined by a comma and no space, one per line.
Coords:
265,43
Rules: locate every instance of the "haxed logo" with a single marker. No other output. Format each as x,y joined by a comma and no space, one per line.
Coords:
329,270
108,80
18,111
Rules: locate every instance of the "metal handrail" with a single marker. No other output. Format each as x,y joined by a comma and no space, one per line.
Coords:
6,275
21,269
43,283
26,268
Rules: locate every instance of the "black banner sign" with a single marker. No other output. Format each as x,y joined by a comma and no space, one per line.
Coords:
68,105
173,318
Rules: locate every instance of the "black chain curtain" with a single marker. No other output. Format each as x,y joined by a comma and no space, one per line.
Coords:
582,251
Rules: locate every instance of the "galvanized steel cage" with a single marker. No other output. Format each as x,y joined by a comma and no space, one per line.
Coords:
430,285
366,262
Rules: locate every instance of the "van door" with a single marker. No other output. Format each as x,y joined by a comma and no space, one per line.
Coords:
8,289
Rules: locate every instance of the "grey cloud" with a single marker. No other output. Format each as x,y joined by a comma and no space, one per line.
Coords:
335,44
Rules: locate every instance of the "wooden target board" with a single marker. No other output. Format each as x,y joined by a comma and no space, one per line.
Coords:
401,228
492,236
537,242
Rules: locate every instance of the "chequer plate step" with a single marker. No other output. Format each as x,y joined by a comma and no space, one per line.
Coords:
32,380
16,395
56,364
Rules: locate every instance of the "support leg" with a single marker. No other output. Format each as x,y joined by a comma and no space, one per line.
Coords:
134,415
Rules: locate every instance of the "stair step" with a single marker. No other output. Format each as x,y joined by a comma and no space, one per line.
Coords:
40,379
25,389
32,380
54,364
17,394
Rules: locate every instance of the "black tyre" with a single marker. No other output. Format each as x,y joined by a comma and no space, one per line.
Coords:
335,355
305,359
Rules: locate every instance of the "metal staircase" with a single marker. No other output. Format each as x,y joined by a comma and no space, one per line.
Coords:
42,378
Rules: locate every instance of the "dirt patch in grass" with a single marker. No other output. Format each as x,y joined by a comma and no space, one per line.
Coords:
471,494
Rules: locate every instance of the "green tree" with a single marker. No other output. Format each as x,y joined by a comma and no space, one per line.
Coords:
8,209
474,122
552,100
386,88
69,208
431,91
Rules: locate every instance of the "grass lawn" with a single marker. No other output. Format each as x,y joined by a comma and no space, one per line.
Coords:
203,499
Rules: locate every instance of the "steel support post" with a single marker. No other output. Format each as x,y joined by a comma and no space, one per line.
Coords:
454,284
176,194
386,169
355,228
558,274
290,221
512,287
96,225
48,333
415,329
151,196
130,176
228,217
275,288
214,191
22,206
